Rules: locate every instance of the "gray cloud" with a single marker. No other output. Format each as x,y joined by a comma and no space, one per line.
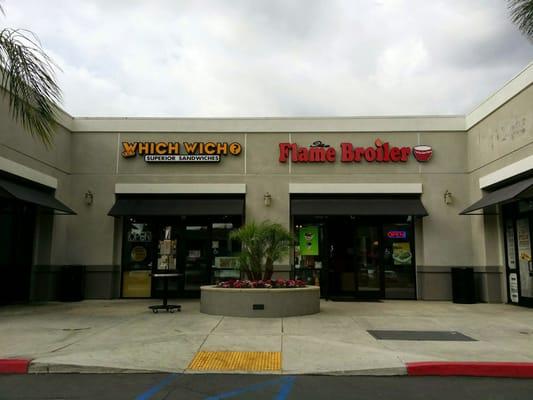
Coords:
275,57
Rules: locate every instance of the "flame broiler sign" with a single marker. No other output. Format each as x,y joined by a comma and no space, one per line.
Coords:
380,152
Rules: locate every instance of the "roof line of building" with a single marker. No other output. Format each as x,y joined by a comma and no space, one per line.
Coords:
510,89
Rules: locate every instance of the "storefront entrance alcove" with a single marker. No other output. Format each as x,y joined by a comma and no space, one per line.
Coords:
513,200
356,256
17,225
21,203
186,235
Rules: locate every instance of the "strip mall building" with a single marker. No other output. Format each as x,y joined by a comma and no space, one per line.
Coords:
381,207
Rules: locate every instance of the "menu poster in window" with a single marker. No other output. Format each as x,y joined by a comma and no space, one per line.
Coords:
309,241
513,287
524,257
138,254
509,233
401,253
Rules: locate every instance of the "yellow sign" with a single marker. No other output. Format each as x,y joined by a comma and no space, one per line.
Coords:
136,284
180,152
138,253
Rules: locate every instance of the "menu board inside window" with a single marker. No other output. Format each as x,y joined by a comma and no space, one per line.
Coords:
513,287
524,257
511,247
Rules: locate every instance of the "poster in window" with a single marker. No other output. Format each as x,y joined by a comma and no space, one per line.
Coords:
309,241
401,253
138,254
511,248
513,287
524,257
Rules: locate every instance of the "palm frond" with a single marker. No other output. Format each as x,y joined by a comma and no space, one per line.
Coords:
27,74
522,15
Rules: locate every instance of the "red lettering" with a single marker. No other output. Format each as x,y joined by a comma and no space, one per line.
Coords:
370,154
331,154
284,149
317,154
294,154
405,153
359,151
395,154
379,154
347,152
386,157
303,155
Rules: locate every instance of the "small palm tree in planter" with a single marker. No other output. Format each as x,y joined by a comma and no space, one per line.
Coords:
262,245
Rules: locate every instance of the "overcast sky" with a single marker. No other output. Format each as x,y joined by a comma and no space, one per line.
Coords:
237,58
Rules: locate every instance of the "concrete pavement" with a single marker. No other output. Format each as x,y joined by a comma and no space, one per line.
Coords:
123,335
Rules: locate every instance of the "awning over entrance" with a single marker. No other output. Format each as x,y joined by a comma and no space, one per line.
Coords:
516,191
358,206
32,194
172,205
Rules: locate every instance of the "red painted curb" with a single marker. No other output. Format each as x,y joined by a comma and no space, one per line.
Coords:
470,368
14,366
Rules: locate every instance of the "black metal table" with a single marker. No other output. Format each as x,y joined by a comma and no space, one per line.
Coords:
165,306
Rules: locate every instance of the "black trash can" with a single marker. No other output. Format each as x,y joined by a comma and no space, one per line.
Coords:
71,283
463,286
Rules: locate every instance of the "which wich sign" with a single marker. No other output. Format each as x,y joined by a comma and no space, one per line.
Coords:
180,152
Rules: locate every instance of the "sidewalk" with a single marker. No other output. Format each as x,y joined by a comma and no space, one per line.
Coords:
120,335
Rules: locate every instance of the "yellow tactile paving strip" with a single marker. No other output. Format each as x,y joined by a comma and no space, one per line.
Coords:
236,361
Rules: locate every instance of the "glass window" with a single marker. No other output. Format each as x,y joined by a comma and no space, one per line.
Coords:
398,261
225,250
138,245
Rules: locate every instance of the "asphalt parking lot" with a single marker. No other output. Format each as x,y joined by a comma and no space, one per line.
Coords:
259,387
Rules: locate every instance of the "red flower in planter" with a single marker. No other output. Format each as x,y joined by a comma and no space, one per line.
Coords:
268,284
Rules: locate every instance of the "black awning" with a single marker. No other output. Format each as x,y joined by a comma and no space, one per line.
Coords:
41,196
358,206
513,192
173,205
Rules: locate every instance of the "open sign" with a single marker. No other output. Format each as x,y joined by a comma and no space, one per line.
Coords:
397,234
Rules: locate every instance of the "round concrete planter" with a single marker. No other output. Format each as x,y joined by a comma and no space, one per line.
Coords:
260,302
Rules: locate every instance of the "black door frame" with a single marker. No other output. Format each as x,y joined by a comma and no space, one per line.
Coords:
355,264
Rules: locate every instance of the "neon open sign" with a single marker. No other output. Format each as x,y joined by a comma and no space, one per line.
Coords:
397,234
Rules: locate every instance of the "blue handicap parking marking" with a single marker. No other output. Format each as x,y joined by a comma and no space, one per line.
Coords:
156,388
285,384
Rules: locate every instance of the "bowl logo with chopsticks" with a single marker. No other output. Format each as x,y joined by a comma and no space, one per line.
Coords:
422,153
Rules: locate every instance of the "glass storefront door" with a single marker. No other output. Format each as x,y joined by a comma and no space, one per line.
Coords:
137,257
195,249
358,257
342,265
368,264
198,248
355,265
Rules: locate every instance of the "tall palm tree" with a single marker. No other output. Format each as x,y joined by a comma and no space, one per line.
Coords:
27,80
522,15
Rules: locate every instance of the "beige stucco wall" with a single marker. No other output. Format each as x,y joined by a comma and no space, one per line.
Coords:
502,138
16,144
98,167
